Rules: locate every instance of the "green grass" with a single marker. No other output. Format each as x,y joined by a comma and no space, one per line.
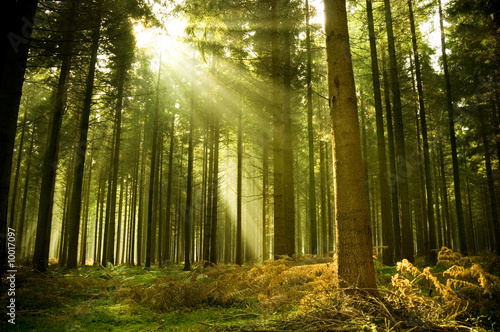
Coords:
84,300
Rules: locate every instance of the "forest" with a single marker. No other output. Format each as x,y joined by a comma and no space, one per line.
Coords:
255,165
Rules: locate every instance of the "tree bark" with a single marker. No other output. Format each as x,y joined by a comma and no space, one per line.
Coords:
17,22
354,242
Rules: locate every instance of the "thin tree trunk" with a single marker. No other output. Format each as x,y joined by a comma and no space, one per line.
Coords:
453,141
490,182
239,246
310,136
432,253
76,196
22,222
288,173
13,200
391,177
387,227
168,226
215,197
152,175
49,167
187,216
402,171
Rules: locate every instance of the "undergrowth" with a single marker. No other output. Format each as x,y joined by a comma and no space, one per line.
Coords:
299,293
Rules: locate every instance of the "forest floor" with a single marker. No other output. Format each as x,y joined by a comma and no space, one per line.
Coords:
458,294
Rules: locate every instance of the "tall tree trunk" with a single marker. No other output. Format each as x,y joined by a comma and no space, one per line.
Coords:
310,137
279,204
354,243
17,21
13,200
239,180
168,226
448,236
49,167
288,174
153,174
432,254
189,184
76,196
401,166
22,218
83,250
215,197
265,196
208,200
385,203
391,177
453,141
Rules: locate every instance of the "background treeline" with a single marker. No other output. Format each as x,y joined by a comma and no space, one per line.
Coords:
215,144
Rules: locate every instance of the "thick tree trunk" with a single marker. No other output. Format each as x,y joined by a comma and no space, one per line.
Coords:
17,21
354,243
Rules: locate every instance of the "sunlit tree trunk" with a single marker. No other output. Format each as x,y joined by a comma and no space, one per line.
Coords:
354,243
